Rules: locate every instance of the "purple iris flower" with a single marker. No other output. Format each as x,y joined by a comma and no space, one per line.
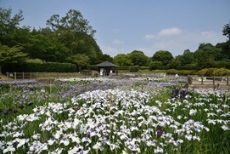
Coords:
15,111
21,106
30,104
159,132
88,135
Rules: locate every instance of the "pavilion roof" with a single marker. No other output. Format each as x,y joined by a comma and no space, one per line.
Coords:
106,64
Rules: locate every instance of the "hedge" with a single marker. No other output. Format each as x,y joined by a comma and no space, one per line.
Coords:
39,67
214,72
188,67
222,64
181,72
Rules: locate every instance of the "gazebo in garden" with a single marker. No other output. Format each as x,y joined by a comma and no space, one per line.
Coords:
105,68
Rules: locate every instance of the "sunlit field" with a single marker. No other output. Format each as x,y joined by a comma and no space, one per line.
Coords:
112,116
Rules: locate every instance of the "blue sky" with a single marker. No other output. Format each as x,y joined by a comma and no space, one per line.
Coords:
148,25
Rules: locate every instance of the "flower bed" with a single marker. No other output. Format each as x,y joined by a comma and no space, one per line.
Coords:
122,116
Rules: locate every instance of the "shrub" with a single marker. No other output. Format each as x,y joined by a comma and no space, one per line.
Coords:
92,67
188,67
155,65
123,68
144,67
39,67
214,72
221,64
134,68
210,72
172,71
181,72
36,60
221,72
202,72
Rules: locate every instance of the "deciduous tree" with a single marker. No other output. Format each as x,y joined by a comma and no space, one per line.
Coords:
226,30
164,56
75,33
11,55
81,60
8,24
139,58
123,60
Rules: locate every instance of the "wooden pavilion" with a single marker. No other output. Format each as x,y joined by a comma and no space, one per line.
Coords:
105,68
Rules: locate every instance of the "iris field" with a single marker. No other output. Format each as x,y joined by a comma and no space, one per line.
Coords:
101,116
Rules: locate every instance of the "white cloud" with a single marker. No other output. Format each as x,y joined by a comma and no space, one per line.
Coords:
152,42
176,41
169,32
164,33
112,51
149,36
116,41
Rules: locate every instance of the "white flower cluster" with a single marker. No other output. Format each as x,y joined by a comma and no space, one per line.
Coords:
119,121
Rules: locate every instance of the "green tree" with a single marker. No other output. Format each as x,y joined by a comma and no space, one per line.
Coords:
226,46
75,33
225,50
203,59
155,65
165,57
187,57
44,45
139,58
226,30
21,37
122,60
81,60
8,24
106,57
73,21
184,61
11,55
176,62
86,44
206,54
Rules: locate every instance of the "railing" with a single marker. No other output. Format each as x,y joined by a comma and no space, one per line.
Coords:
210,80
222,80
43,75
19,75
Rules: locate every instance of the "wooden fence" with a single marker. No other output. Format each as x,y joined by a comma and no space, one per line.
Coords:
210,80
214,80
19,75
41,75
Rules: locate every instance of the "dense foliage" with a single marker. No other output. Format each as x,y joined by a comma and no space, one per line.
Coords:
39,67
64,39
70,39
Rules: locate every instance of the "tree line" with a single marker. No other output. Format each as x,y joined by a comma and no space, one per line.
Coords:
206,56
70,39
